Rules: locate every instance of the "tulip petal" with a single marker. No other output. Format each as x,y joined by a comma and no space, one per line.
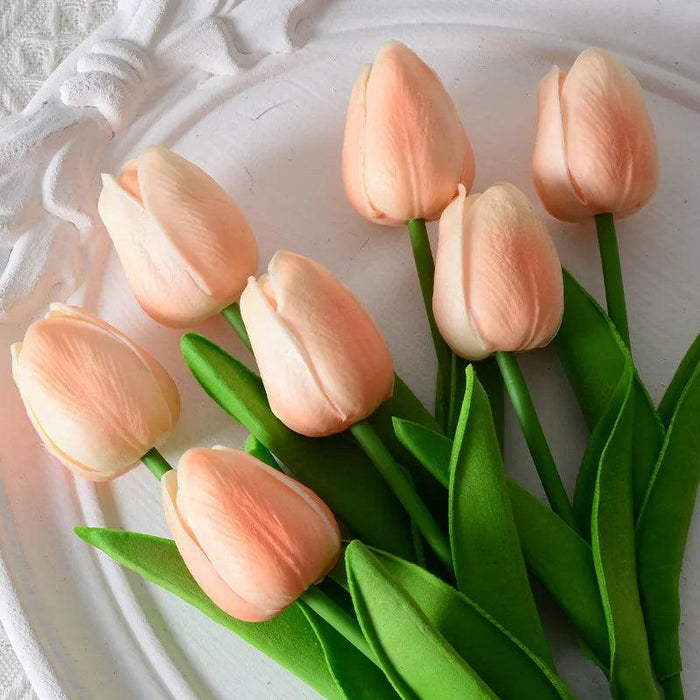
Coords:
353,156
129,179
196,560
415,148
353,368
185,247
94,400
268,537
285,369
201,221
81,470
160,279
513,283
549,167
449,300
165,382
609,138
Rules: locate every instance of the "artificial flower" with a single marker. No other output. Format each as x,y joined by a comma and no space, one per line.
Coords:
185,246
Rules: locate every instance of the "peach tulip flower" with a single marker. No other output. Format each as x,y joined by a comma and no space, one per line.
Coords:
595,150
498,279
253,538
98,401
405,149
186,248
324,362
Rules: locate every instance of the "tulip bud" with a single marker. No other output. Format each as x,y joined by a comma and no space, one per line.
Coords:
98,401
253,538
498,280
595,150
323,361
405,149
186,248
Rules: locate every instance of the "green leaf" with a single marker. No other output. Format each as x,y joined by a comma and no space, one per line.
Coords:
405,404
509,668
287,638
488,561
662,529
563,563
335,468
416,658
256,449
594,355
430,448
672,395
588,473
353,672
490,377
556,555
612,541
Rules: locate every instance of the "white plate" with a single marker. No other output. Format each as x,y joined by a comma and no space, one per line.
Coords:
267,123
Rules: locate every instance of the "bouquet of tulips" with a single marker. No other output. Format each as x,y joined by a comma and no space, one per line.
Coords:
372,547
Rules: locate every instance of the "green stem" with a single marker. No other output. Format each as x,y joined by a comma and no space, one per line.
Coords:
673,688
157,464
343,623
232,314
535,438
612,274
402,486
425,267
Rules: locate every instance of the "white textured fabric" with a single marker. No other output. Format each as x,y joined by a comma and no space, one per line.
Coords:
35,36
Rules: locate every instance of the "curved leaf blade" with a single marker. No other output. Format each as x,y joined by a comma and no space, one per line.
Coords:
588,472
556,555
355,675
563,563
662,529
503,661
593,356
416,658
488,561
287,638
681,377
335,468
612,542
430,448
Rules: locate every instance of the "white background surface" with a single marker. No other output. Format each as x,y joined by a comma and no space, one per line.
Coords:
271,134
35,36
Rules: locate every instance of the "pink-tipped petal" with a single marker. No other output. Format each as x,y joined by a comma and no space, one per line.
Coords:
609,138
509,281
201,220
157,274
163,379
549,167
267,536
129,178
324,363
449,301
98,401
76,467
514,287
347,351
196,560
286,369
186,249
353,156
405,149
